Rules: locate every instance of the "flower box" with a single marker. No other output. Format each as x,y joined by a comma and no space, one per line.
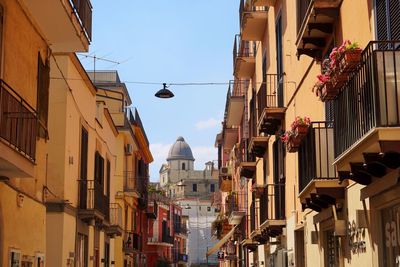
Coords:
301,130
293,144
328,92
350,60
338,80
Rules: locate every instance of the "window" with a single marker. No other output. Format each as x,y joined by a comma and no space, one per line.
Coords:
279,60
183,166
194,188
43,81
98,168
108,177
15,258
84,154
388,19
212,188
82,250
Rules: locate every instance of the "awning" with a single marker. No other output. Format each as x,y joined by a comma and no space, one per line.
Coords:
221,242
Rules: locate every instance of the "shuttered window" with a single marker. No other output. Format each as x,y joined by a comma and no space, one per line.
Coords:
388,19
84,154
43,81
98,168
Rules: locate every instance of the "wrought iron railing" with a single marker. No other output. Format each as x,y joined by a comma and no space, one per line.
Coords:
316,154
132,241
247,7
270,94
371,97
242,48
272,202
302,8
18,122
91,197
115,214
83,9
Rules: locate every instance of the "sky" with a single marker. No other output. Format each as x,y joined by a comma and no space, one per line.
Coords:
171,41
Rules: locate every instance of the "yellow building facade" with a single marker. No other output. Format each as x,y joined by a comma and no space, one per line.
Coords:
325,196
28,38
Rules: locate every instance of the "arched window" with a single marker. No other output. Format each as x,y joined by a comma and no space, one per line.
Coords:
183,166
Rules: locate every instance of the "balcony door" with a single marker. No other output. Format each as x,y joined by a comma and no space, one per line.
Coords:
83,169
279,180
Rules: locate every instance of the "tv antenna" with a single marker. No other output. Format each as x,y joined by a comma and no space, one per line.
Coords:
94,57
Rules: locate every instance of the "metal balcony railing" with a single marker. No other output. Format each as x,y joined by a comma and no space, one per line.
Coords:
132,241
91,197
115,214
302,8
247,7
242,48
371,97
83,9
272,203
18,122
270,94
316,154
167,238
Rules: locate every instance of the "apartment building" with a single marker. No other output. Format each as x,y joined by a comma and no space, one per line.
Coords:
133,156
316,159
168,232
29,35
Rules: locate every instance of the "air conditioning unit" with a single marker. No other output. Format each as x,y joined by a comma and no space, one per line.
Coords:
128,149
225,171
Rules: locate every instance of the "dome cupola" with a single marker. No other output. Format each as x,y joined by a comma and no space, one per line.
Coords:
180,151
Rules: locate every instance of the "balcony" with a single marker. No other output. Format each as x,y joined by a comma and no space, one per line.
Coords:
166,241
230,138
315,26
115,228
132,242
367,116
253,20
318,181
93,204
244,58
272,210
181,230
270,102
263,2
234,210
225,179
234,106
18,131
247,163
74,17
152,210
131,181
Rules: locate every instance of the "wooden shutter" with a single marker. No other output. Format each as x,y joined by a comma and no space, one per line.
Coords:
84,154
388,19
43,82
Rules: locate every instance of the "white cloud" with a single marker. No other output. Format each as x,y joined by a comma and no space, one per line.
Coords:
203,154
160,154
210,123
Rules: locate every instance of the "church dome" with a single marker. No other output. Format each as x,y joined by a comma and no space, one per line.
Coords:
180,150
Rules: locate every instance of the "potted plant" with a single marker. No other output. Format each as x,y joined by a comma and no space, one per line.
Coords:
351,56
300,126
291,141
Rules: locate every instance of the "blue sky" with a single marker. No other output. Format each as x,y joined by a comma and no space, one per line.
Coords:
172,41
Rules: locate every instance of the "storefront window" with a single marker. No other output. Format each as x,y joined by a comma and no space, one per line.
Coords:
391,236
